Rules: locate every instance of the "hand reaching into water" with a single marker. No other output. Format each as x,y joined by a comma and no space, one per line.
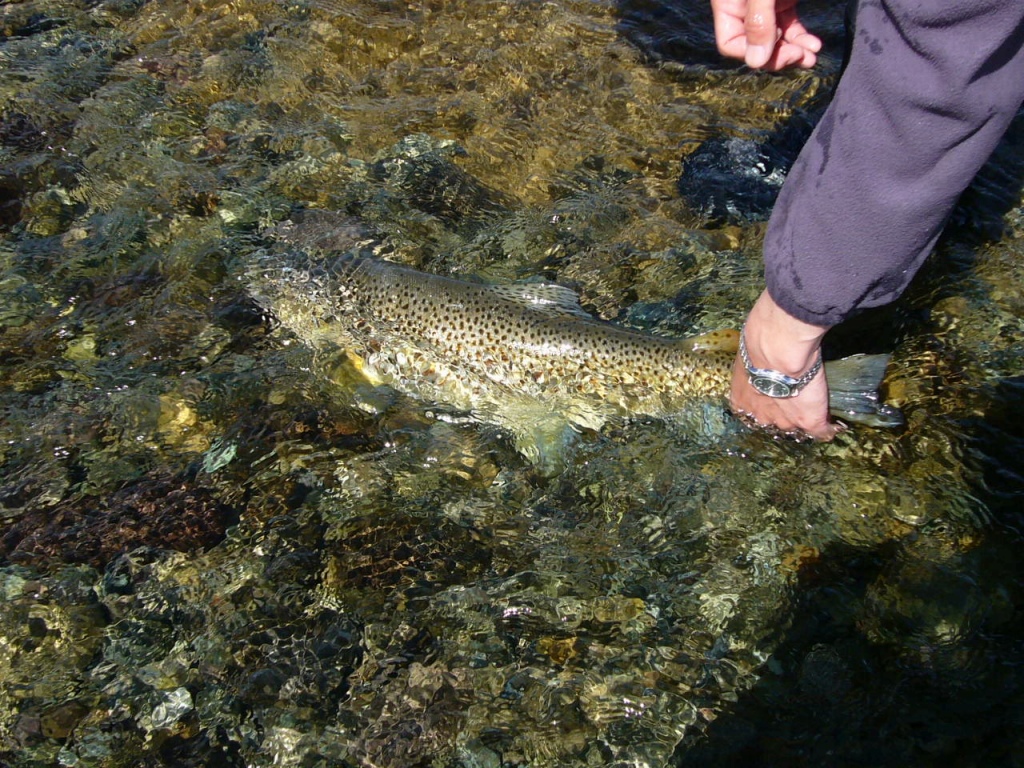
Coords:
777,340
766,34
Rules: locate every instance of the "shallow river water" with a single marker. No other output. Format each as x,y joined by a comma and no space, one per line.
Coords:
219,548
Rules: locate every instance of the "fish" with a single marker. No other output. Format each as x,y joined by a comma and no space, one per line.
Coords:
525,356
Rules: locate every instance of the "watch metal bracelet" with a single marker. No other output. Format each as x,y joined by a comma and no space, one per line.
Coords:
775,383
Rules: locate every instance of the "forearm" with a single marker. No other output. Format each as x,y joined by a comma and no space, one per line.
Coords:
923,102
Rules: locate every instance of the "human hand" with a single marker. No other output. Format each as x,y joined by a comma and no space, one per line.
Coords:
777,340
765,34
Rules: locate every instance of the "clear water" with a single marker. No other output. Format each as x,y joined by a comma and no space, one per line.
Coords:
220,549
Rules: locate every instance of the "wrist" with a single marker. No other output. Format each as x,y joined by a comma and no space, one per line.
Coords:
776,340
774,383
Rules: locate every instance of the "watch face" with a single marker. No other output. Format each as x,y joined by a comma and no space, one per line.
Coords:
771,387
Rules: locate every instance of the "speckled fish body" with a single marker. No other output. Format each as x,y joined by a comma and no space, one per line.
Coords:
500,351
524,356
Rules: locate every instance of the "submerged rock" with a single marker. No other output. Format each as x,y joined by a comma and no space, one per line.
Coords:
159,511
422,170
736,180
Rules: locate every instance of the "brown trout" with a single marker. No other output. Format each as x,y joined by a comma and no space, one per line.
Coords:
525,356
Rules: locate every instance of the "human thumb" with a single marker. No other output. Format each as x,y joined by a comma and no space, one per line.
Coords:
757,56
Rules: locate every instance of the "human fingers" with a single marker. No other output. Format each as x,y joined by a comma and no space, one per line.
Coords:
797,34
789,55
793,30
805,45
785,55
730,36
802,417
797,435
794,46
759,26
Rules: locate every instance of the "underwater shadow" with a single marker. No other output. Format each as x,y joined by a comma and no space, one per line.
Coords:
833,695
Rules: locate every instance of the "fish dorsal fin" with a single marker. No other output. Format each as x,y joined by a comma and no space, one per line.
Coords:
725,340
544,297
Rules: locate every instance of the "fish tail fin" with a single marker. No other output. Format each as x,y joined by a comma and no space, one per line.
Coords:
853,384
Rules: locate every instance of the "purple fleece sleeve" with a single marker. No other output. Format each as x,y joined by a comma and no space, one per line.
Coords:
929,89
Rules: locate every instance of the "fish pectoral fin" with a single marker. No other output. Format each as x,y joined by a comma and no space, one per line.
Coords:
545,443
545,436
362,366
587,419
543,297
725,340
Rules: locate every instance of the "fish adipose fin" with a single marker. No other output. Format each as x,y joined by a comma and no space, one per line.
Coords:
853,384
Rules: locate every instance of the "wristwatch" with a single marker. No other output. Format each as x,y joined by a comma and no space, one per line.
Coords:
775,383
